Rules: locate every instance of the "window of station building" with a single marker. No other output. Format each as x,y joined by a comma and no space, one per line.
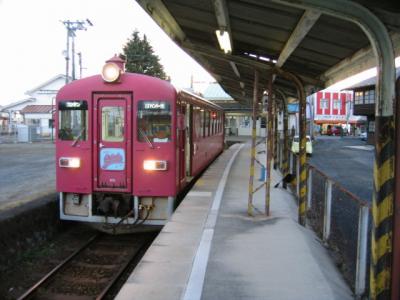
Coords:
112,123
369,97
73,120
154,121
358,97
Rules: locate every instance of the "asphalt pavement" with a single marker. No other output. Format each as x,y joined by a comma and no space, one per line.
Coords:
27,172
348,161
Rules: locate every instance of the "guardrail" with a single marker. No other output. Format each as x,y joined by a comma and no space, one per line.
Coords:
340,218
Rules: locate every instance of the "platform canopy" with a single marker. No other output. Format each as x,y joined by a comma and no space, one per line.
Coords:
320,49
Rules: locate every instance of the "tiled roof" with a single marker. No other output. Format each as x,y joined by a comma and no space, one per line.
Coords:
37,109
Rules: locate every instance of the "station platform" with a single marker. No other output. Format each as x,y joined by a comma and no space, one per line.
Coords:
211,248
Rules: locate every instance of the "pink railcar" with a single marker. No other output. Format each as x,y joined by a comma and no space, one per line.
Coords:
127,145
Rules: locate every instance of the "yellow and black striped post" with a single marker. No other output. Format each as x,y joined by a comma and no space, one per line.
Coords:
253,147
285,161
302,150
302,154
396,210
382,208
269,149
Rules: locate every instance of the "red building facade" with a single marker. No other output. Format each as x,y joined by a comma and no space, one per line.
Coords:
335,108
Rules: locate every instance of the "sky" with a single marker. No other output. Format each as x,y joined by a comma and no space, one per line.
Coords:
33,38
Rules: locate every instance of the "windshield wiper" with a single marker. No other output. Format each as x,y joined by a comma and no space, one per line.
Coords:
78,137
146,138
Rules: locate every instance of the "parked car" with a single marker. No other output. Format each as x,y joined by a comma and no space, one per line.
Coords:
364,136
296,145
337,130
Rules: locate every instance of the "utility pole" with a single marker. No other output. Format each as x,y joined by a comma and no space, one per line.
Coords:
72,27
80,64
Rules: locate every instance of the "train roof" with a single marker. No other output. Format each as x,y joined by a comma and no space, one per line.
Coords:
197,97
97,79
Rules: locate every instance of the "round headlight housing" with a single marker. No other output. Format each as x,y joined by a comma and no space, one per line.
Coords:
111,72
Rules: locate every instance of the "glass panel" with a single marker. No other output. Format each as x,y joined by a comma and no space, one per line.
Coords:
197,122
112,159
324,103
73,120
202,121
336,104
369,97
207,123
358,98
113,122
154,121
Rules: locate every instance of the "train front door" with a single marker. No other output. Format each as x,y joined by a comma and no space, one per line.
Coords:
112,143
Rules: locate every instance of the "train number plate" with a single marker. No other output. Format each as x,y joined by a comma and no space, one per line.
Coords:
76,199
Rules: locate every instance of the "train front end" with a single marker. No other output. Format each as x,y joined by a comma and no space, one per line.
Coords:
115,150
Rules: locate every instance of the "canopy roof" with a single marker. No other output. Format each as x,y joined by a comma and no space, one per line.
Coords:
320,49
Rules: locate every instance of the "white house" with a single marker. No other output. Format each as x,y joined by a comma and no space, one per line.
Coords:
37,110
45,93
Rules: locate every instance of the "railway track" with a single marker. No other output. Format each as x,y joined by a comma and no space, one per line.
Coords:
92,270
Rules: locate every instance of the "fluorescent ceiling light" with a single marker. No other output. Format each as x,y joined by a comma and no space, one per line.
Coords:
224,40
264,58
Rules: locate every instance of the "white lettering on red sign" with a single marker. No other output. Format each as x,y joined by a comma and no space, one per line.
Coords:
73,104
154,106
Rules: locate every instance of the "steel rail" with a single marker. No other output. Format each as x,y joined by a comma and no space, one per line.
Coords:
49,275
120,272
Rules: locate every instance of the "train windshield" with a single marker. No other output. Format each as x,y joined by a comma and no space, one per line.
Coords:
73,120
154,121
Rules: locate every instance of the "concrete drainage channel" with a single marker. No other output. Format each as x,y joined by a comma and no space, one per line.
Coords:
26,227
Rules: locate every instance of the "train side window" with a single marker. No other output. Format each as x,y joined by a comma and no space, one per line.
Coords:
113,123
73,120
214,123
202,122
197,122
154,121
207,123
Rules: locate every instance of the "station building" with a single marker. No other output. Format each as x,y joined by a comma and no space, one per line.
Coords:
364,103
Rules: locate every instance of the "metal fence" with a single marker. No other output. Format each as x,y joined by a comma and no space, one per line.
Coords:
341,219
25,134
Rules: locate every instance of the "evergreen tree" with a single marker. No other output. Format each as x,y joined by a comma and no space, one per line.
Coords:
140,57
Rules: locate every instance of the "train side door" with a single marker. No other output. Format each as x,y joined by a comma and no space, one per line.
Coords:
188,144
181,109
112,143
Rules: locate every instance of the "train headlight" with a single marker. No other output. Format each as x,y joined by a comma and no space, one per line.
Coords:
69,162
111,72
155,165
